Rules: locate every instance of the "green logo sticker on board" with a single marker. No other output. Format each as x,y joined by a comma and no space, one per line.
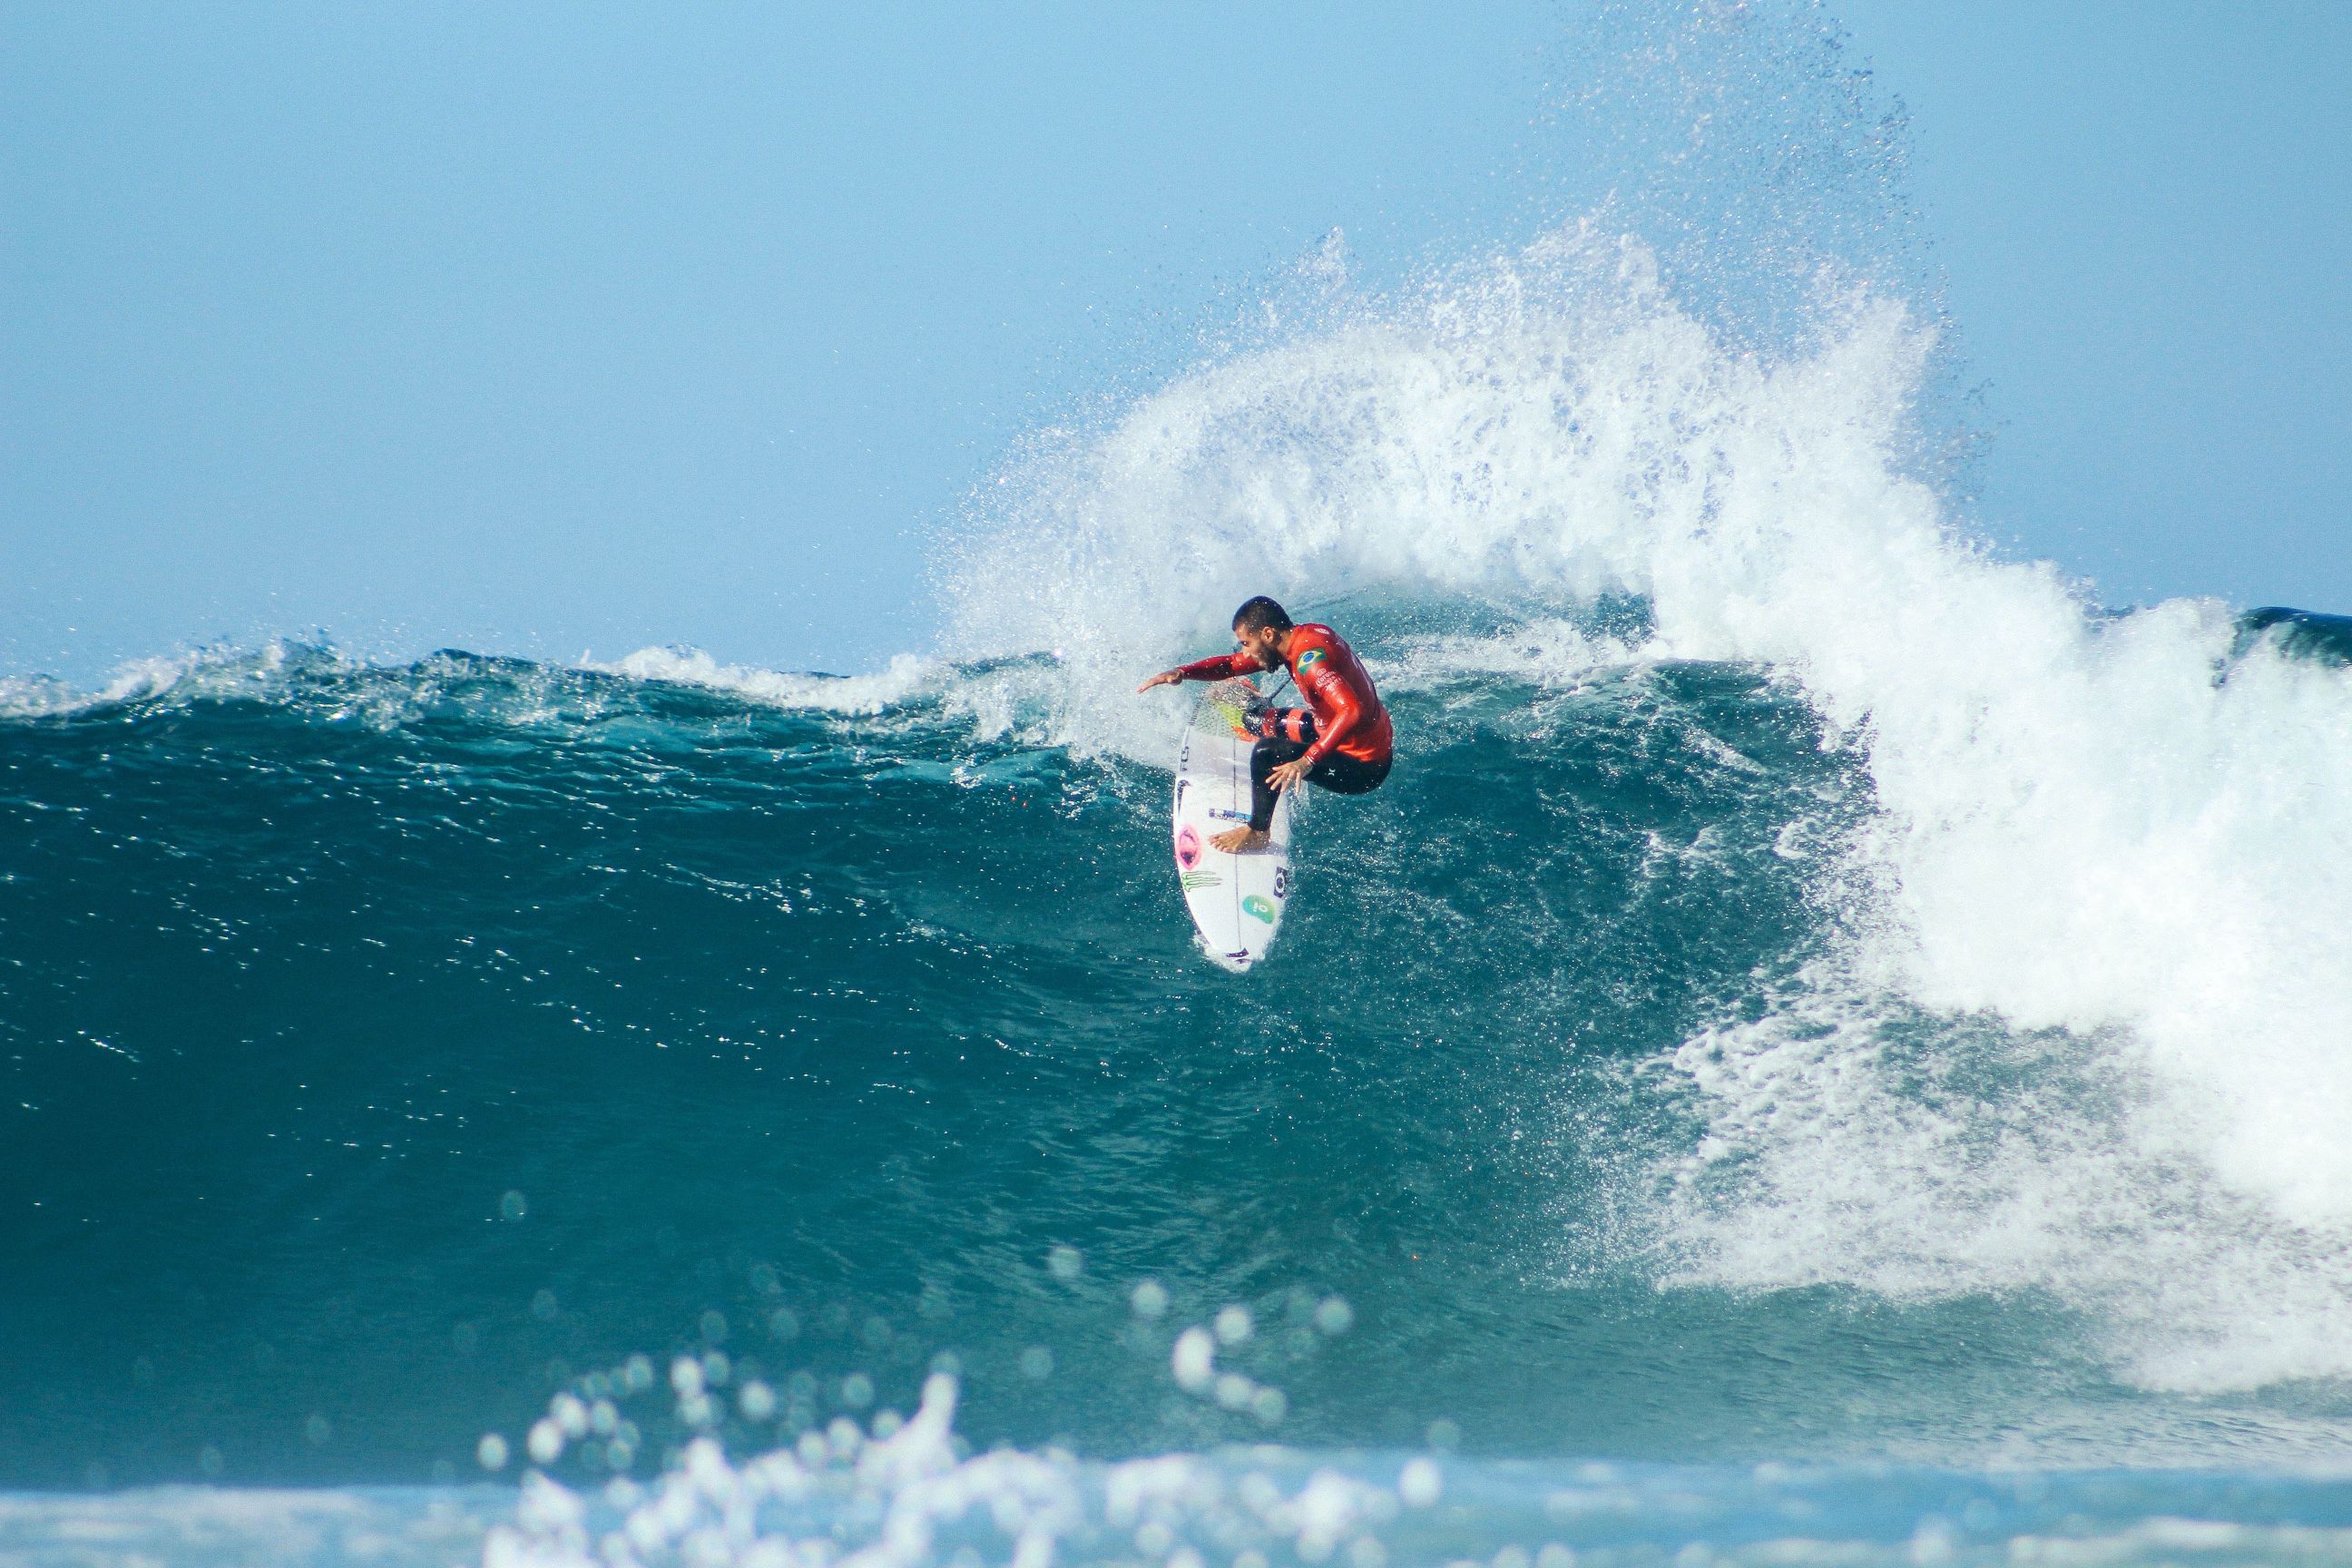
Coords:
1258,905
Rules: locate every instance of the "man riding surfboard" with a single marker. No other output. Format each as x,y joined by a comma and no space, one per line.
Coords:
1342,740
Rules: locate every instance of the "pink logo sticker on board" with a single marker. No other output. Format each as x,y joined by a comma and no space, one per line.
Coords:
1187,847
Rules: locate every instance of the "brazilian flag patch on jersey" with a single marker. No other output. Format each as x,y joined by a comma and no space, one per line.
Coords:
1312,656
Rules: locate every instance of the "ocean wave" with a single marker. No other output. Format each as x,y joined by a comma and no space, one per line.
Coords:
2079,825
316,678
905,676
136,680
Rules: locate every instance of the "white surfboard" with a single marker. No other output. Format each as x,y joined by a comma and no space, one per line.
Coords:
1237,900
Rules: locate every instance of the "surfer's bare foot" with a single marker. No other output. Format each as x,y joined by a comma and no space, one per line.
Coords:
1240,841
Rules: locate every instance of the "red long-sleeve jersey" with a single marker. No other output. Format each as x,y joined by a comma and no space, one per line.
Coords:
1348,717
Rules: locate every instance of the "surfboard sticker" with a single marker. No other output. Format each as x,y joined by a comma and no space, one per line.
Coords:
1236,901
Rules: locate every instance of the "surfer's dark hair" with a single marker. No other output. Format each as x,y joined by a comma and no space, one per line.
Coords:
1256,615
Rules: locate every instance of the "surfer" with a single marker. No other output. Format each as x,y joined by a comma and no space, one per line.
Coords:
1342,740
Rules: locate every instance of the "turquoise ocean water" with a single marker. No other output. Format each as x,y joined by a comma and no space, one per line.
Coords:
394,1050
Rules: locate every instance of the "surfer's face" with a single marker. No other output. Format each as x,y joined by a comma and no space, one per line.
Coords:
1264,644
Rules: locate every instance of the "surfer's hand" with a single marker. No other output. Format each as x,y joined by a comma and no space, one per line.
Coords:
1288,776
1165,677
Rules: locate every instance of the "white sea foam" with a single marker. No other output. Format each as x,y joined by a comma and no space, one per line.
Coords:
136,680
904,677
906,1494
1239,1506
389,692
2080,828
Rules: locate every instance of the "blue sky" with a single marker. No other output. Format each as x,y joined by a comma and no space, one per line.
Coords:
542,327
2145,214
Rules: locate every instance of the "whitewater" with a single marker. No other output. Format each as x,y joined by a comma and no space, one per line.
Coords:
1829,1047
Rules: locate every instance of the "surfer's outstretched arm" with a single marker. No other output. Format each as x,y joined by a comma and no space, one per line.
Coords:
1221,666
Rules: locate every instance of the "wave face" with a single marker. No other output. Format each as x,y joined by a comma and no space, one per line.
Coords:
388,1047
862,1015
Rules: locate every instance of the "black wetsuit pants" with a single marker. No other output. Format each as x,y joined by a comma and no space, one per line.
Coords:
1292,731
